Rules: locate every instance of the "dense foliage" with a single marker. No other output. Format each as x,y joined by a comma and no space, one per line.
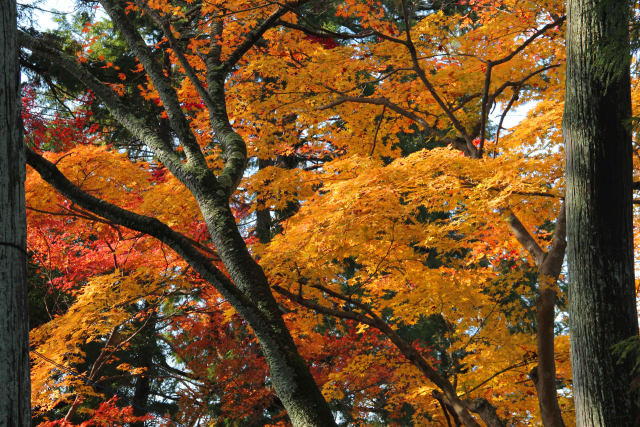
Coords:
413,241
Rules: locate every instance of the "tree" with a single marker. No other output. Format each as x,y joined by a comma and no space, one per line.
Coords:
424,242
597,134
246,287
402,248
14,347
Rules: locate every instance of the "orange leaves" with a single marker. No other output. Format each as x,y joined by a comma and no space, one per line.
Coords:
419,237
344,130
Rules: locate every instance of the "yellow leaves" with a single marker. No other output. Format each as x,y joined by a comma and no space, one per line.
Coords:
422,236
100,306
130,369
276,187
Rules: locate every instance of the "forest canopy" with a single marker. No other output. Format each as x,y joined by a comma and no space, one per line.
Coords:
304,212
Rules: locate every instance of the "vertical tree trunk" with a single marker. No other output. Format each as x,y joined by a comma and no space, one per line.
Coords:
599,209
14,351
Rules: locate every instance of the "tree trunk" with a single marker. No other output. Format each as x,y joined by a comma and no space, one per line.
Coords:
15,408
599,209
289,373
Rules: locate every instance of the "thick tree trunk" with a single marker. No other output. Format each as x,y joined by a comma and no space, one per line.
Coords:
289,373
599,210
14,350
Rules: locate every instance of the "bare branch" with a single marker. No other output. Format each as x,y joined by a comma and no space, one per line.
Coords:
526,239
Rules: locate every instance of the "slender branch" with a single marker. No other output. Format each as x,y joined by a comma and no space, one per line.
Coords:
526,239
432,90
375,136
254,35
484,107
350,315
407,350
557,21
487,78
378,101
184,62
95,368
514,98
522,81
161,82
322,32
496,374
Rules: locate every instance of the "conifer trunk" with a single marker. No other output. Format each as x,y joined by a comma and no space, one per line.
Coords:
599,209
14,351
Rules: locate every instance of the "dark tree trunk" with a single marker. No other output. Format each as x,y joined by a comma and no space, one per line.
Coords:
14,349
146,349
263,215
599,209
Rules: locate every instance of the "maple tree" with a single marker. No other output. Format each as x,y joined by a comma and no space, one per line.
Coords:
414,249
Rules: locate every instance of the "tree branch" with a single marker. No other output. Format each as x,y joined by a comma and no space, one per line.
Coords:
254,35
184,62
526,239
378,101
557,21
432,90
144,224
405,348
121,112
162,84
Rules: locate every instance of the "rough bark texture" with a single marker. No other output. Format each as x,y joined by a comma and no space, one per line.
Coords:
599,209
14,350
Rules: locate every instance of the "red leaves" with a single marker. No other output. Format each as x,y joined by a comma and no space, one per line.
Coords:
57,133
108,414
158,174
326,42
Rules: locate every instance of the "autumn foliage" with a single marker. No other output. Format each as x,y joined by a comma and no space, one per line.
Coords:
379,200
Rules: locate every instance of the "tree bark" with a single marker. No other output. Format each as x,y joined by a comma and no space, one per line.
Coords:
549,265
597,137
549,270
15,407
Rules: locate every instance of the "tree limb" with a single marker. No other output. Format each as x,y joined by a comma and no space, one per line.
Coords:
144,224
162,84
